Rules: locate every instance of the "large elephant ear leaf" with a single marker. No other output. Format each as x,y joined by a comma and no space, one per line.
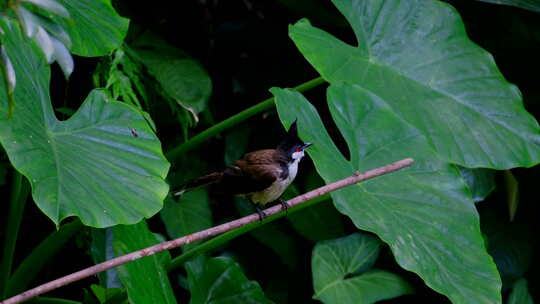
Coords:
104,164
94,26
425,212
416,55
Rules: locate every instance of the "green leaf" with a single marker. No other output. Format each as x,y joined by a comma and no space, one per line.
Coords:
108,295
123,78
339,272
10,79
182,78
512,193
101,250
221,281
31,21
51,6
481,182
94,26
190,214
145,279
52,38
90,165
533,5
28,20
423,212
520,293
415,54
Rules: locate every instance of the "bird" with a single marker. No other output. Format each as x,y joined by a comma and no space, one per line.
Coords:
261,176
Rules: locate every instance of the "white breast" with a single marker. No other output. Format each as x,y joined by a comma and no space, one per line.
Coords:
275,190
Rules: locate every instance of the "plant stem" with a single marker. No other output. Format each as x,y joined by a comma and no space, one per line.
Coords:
204,234
19,194
230,122
40,256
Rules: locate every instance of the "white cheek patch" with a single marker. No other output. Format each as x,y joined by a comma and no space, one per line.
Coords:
298,155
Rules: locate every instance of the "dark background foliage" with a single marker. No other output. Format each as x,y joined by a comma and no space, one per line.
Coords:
245,48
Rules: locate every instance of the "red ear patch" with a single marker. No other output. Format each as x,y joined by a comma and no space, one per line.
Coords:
297,150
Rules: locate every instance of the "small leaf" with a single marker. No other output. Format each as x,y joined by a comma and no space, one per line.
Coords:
520,293
512,193
145,279
220,280
63,57
341,272
51,6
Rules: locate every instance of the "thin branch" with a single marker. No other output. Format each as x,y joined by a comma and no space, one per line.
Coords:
90,271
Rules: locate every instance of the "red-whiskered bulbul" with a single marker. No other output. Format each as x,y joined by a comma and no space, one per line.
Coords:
261,176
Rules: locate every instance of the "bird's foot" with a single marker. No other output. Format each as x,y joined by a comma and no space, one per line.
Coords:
260,212
284,206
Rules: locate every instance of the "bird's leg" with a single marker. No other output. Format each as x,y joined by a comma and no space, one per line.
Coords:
260,212
284,205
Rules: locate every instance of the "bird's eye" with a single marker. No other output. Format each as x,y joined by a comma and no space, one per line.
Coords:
297,150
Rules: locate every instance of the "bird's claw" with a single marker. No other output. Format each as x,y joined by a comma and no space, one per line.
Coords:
284,206
260,212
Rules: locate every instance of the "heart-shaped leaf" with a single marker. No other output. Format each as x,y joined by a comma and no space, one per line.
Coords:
424,212
104,164
415,54
340,272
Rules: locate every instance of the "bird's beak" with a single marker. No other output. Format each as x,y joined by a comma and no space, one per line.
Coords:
307,145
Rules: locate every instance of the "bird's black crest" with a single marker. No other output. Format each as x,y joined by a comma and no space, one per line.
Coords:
291,140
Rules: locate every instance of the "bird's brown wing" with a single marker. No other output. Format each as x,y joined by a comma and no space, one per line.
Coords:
255,172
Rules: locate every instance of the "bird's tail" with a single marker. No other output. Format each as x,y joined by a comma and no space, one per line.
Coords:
199,182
